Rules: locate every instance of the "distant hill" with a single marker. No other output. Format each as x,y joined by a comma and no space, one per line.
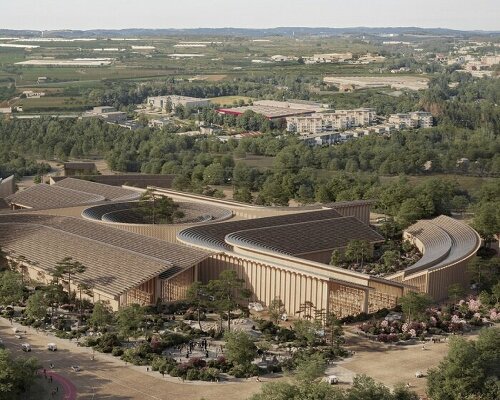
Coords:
244,32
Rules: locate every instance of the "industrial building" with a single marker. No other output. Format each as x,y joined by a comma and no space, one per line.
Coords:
270,112
279,252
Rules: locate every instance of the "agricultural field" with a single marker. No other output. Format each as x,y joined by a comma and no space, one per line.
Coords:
48,103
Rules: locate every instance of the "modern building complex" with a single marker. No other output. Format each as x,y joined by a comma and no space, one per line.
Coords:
278,252
172,101
106,113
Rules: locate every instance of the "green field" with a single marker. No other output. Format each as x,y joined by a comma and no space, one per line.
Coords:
229,100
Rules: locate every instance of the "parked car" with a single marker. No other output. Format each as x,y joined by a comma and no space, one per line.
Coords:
419,374
75,368
18,336
26,347
52,347
332,379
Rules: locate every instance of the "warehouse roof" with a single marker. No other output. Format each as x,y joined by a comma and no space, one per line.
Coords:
213,235
109,192
307,237
116,260
268,111
47,196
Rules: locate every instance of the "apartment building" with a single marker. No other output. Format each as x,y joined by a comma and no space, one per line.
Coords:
327,122
416,119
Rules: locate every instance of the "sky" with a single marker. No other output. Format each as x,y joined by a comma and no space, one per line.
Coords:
117,14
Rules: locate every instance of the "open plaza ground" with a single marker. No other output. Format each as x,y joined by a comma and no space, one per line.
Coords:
107,377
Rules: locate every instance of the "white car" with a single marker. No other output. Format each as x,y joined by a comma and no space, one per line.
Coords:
26,347
52,347
419,374
75,368
332,379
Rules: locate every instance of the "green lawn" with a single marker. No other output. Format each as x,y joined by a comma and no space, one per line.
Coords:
229,100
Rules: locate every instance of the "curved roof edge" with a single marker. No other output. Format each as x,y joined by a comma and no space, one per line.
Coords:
445,241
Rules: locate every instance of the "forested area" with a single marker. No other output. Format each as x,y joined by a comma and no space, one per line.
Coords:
465,141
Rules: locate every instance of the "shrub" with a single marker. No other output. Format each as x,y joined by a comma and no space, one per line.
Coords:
107,342
286,335
267,327
173,339
192,374
209,374
91,341
197,362
117,351
242,371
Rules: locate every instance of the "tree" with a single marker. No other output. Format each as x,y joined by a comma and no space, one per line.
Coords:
334,330
414,304
310,367
306,332
55,295
240,348
11,287
244,195
4,263
197,296
157,209
470,370
410,211
459,203
495,292
487,221
36,305
390,258
357,250
336,258
226,292
364,387
83,288
129,319
101,316
16,375
306,310
455,292
276,310
214,174
68,267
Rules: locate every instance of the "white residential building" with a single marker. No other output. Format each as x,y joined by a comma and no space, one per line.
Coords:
161,102
327,122
416,119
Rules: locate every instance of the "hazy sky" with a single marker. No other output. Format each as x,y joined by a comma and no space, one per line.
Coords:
111,14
